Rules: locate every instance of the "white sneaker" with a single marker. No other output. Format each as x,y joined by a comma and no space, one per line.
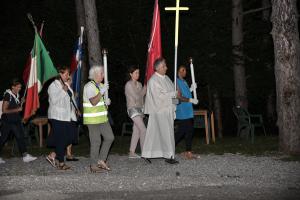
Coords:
29,158
134,155
2,161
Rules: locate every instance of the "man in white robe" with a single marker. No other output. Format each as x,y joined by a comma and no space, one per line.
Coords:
159,140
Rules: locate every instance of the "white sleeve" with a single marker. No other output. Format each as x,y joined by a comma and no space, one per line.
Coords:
90,91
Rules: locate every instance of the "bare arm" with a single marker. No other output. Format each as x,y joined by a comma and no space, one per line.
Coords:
5,108
180,97
95,100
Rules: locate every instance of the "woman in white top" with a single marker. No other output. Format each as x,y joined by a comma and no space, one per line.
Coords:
60,115
135,93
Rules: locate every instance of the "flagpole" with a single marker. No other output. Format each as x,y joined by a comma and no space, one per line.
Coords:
78,75
31,20
29,16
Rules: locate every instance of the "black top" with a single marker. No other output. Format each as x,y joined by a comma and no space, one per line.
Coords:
11,117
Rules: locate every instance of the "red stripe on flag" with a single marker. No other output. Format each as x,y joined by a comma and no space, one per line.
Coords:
73,65
27,69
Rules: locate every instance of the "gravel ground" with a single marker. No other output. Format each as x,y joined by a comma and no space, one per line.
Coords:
228,176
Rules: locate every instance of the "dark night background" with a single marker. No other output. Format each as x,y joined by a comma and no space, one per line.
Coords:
205,34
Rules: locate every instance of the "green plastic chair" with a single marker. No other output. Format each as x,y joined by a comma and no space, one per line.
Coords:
248,122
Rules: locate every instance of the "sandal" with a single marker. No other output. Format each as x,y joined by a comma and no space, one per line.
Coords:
188,155
63,167
51,160
96,169
71,158
102,165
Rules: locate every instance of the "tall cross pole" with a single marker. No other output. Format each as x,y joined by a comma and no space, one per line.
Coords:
176,9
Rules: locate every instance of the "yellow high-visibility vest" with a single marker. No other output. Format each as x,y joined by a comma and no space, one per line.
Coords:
94,114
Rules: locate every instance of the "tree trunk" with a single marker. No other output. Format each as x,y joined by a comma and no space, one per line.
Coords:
266,12
271,111
92,33
79,14
237,52
218,114
287,73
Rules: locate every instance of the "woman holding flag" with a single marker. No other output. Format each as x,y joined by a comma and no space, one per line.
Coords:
60,115
12,120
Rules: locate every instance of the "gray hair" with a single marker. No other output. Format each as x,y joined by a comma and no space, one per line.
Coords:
157,62
94,70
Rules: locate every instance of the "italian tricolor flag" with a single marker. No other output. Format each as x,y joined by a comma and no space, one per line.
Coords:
41,69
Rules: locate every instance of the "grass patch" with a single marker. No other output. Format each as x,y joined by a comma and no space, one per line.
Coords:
262,146
289,158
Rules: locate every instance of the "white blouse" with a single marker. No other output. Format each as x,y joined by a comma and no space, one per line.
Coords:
60,106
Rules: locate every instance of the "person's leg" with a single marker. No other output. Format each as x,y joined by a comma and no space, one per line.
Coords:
141,129
69,151
3,137
108,138
180,131
134,138
5,130
18,131
59,131
95,142
189,132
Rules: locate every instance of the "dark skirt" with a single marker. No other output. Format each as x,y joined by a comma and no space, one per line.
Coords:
60,133
73,132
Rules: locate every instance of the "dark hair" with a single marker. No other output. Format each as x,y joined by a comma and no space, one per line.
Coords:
131,69
157,62
62,69
180,67
14,82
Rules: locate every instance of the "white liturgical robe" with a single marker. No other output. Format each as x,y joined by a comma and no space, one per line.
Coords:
159,140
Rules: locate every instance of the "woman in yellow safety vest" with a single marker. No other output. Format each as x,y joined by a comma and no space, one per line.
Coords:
95,116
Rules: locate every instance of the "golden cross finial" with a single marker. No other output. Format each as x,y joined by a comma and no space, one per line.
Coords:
176,9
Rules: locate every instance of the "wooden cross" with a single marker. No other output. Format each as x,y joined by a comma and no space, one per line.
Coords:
176,9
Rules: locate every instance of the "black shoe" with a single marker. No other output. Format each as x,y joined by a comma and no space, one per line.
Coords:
171,161
72,159
147,160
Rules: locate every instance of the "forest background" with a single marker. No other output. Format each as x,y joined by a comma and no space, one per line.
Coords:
205,35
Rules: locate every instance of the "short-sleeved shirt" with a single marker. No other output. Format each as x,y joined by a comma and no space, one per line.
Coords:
11,117
184,110
89,91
